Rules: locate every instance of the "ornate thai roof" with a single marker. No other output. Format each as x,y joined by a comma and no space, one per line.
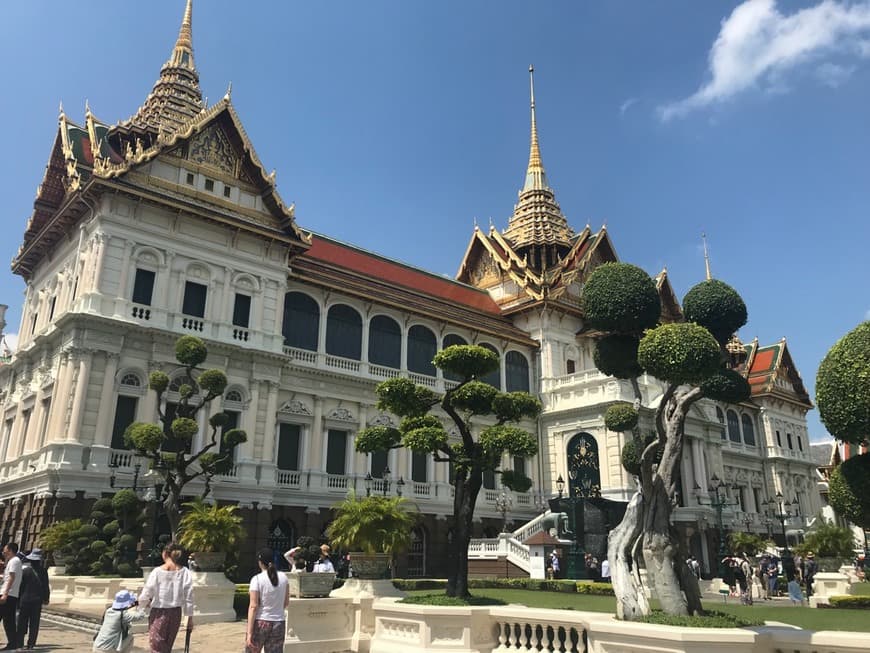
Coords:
771,372
537,229
671,310
176,96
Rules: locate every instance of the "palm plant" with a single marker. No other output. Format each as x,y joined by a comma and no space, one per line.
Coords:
208,528
374,524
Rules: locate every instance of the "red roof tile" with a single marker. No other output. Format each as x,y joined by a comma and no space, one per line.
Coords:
372,265
763,361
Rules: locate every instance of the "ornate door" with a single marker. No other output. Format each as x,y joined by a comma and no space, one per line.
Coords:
584,475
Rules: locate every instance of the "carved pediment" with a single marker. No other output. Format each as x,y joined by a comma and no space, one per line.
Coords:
342,415
294,407
212,147
382,420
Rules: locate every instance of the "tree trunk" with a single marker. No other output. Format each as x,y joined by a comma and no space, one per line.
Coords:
660,551
466,491
631,601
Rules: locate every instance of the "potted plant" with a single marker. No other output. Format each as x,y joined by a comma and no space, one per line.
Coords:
374,529
208,532
309,584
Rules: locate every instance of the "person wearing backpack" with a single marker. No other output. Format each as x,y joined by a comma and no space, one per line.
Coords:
34,593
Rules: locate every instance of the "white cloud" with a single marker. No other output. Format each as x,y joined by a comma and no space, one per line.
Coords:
834,75
757,45
625,106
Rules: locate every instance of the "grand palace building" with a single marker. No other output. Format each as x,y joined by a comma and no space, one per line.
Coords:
167,223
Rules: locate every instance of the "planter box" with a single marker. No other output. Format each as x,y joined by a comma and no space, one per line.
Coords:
308,585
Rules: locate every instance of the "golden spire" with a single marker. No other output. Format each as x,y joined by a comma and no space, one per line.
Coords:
176,96
536,178
706,257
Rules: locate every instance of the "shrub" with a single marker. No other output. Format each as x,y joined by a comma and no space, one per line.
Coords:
843,386
207,528
712,619
849,489
621,298
466,361
595,589
444,600
190,351
717,307
620,417
679,353
728,386
616,355
862,602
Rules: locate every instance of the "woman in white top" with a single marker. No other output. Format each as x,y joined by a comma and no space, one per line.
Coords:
270,595
169,592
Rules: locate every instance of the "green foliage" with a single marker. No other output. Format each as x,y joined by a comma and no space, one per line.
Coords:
214,382
219,419
423,434
621,298
748,543
444,600
190,351
374,524
184,428
514,406
124,501
679,353
466,361
595,589
849,490
235,437
726,385
59,535
216,462
827,540
630,456
405,398
208,528
515,481
843,386
717,307
852,602
516,441
158,381
712,619
144,437
377,438
620,417
616,355
474,398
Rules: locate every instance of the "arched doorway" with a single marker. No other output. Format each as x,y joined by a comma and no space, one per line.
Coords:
417,554
584,474
281,534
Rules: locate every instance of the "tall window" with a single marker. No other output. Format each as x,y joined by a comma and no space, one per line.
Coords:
516,372
449,341
778,439
520,465
494,377
43,426
301,321
419,467
385,342
721,417
570,366
125,414
789,441
489,479
800,443
194,299
242,311
51,306
748,430
143,287
344,332
24,428
422,346
232,423
288,446
336,452
172,444
379,463
7,435
733,427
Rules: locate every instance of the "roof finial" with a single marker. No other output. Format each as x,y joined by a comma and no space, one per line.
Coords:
185,34
535,177
229,93
706,257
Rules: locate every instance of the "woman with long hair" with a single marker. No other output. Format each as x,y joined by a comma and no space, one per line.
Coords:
169,592
270,595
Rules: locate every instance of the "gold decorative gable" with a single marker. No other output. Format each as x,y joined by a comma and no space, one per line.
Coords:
211,147
484,271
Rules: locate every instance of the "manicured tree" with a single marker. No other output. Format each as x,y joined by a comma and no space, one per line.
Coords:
469,406
168,445
621,302
843,399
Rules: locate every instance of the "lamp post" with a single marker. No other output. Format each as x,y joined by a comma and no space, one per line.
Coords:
400,485
369,480
782,510
112,479
746,519
503,503
716,497
574,567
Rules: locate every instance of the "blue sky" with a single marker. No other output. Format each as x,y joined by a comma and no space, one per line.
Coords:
394,125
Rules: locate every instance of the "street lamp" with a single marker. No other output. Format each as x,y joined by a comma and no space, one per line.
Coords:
782,510
386,478
503,503
717,498
746,519
560,485
574,567
112,479
368,481
400,485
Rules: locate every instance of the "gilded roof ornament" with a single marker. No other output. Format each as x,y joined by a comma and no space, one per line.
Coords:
706,257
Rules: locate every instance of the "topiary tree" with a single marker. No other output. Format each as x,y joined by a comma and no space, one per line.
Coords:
470,406
108,543
843,399
169,444
620,301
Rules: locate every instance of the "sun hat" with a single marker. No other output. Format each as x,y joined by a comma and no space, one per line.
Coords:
124,599
35,554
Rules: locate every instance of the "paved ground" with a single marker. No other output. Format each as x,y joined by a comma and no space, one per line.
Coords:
212,638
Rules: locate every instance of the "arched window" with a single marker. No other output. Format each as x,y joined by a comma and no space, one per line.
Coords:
733,427
494,377
748,431
131,380
179,381
721,417
301,321
281,535
584,474
516,372
422,346
385,342
235,396
450,340
344,332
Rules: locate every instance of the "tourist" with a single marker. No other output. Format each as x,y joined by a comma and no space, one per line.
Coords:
324,564
694,566
605,571
35,592
746,586
270,595
9,595
555,564
810,569
860,566
114,633
794,592
772,578
169,593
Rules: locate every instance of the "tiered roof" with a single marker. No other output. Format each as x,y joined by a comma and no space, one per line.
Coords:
173,122
764,366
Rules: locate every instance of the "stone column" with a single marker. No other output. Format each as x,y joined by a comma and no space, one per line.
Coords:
317,437
60,401
108,399
103,241
126,273
80,396
147,409
162,283
270,421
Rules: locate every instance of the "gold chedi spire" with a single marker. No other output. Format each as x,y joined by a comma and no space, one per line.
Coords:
706,257
176,96
538,229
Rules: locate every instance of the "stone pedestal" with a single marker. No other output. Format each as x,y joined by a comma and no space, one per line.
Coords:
212,597
93,594
359,588
322,626
62,586
827,584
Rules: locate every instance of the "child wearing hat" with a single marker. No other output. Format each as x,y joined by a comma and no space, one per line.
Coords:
115,632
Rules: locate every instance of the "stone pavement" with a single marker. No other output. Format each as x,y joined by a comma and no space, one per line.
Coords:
209,638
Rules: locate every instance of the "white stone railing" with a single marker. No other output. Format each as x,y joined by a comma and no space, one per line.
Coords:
286,478
530,528
122,458
421,490
505,545
345,364
304,356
